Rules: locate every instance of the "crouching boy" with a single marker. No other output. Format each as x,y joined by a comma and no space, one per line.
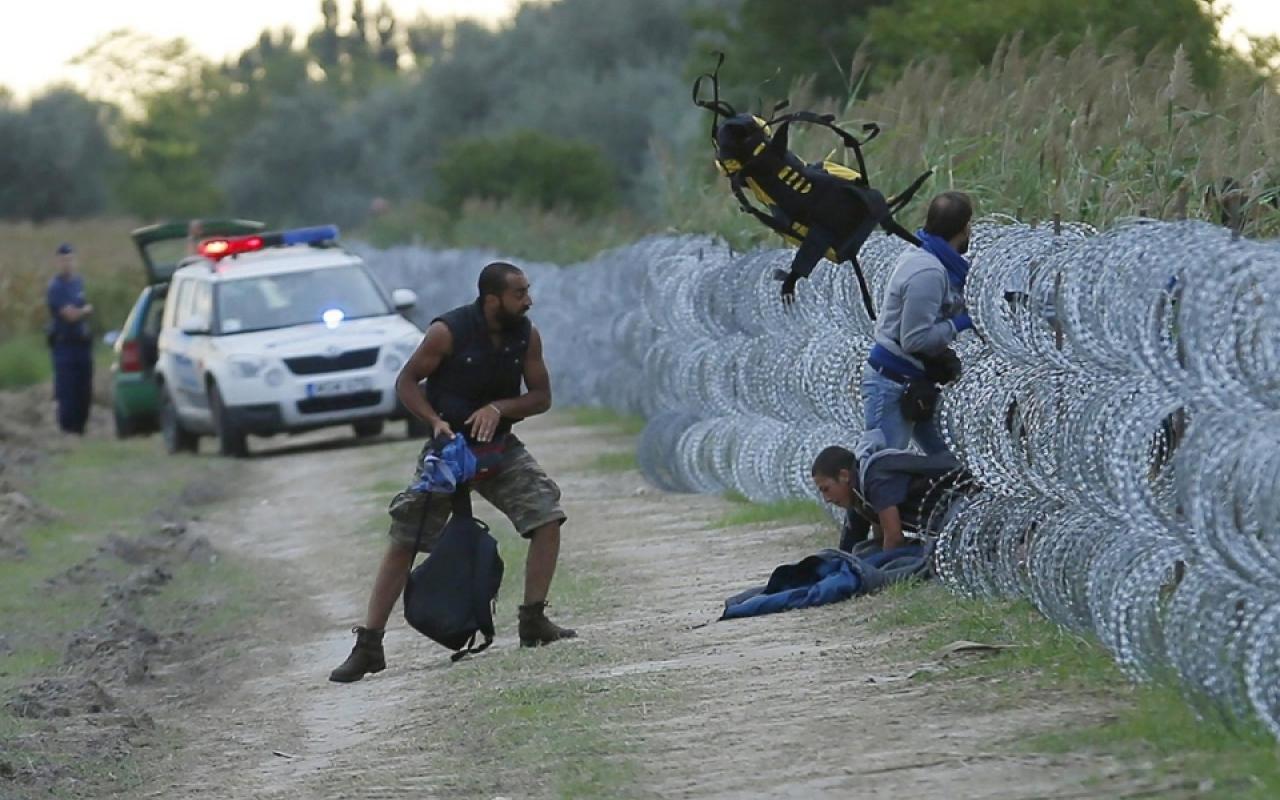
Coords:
888,492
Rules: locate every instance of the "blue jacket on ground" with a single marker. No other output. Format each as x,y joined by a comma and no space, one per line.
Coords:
830,576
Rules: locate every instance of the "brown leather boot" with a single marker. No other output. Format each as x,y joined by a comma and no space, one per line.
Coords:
365,657
536,629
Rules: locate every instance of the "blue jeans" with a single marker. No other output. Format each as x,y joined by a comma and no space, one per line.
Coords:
882,409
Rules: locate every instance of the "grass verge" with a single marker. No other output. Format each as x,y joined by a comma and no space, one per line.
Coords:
1154,724
787,512
24,361
624,461
98,489
593,417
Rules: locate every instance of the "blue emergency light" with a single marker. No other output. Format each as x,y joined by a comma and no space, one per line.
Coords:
313,235
221,247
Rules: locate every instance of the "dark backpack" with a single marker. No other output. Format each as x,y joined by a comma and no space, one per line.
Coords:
449,597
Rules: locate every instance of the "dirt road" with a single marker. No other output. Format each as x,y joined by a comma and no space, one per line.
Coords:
647,703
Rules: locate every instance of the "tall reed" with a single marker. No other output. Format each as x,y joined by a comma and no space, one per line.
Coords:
1094,135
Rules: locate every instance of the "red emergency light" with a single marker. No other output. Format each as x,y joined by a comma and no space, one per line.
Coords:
223,246
215,249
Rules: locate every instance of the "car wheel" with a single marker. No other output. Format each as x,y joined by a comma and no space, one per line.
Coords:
231,440
177,439
368,427
124,426
416,428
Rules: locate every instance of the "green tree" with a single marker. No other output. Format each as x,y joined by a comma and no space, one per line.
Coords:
772,43
124,66
529,168
273,172
167,173
54,157
388,51
361,65
325,43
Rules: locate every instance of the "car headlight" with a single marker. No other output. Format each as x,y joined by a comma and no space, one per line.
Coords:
246,366
398,353
274,376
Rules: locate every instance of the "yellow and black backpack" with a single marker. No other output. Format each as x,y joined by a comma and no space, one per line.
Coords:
826,208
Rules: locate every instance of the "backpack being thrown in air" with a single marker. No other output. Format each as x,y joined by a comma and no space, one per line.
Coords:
450,596
826,208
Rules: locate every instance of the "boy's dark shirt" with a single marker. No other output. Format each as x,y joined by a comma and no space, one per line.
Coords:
906,480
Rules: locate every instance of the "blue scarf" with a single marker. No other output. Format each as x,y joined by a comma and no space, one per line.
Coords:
956,264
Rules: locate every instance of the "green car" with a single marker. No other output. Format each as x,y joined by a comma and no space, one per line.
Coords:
162,247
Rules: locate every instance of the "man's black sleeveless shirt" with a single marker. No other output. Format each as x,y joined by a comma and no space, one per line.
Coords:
476,373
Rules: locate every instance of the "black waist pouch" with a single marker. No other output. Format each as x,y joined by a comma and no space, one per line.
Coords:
920,399
450,596
943,368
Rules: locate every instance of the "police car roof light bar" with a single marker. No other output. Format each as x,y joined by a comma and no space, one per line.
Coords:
223,246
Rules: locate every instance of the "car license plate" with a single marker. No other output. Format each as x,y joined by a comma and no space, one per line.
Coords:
342,386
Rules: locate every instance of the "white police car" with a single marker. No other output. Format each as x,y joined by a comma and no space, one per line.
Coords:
279,333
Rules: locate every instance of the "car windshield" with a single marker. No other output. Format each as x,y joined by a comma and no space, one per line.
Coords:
297,298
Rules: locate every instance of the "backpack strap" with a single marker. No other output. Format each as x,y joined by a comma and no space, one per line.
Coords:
771,221
471,647
715,105
460,501
850,141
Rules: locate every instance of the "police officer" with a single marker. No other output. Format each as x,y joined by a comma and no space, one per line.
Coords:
71,342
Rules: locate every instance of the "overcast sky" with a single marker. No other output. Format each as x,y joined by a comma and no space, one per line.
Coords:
35,52
50,33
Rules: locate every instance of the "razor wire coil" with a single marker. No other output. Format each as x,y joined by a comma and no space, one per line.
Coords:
1119,407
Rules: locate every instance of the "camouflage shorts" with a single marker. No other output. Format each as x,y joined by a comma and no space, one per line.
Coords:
521,490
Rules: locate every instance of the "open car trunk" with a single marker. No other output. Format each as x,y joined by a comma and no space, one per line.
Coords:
163,246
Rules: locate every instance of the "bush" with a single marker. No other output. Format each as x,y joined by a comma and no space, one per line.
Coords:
408,223
530,169
24,360
515,231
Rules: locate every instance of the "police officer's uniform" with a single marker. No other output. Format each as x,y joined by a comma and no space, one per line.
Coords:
72,345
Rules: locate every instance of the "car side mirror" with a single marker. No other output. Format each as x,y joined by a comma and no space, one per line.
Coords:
404,299
195,324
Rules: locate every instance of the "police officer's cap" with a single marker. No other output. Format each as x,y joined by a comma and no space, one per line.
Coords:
64,249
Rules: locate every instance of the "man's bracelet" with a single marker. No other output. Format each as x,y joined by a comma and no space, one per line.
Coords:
495,408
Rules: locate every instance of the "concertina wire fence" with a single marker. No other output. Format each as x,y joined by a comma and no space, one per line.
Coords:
1119,408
